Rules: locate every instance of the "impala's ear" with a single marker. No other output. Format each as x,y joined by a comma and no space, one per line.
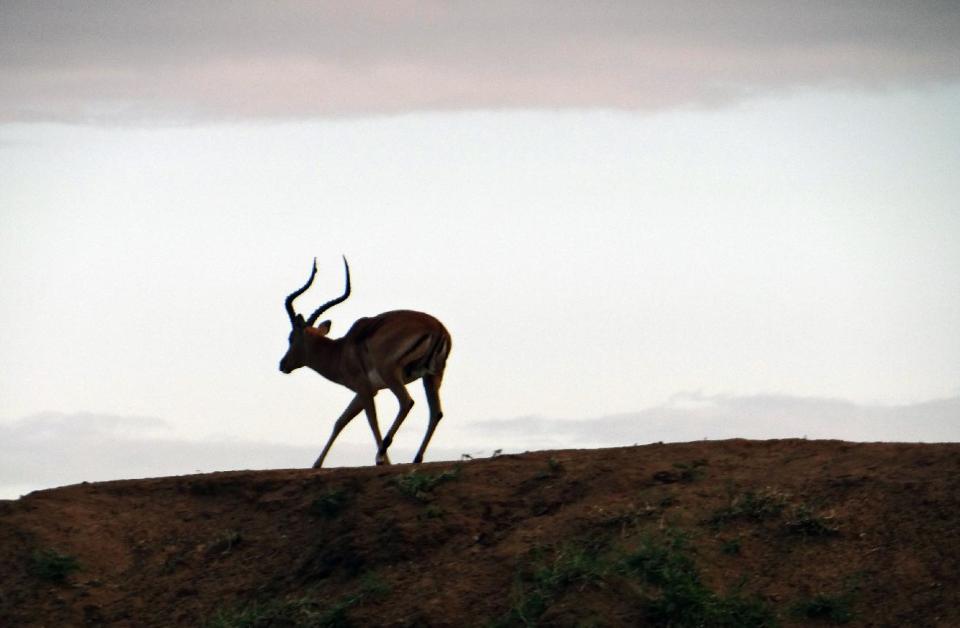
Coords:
323,328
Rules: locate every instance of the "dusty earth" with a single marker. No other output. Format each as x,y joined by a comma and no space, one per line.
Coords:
728,533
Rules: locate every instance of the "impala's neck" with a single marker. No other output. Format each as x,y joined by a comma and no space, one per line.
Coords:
323,356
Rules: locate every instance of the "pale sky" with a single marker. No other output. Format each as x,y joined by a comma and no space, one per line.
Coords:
639,221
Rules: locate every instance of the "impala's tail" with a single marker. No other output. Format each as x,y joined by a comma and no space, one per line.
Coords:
436,358
433,359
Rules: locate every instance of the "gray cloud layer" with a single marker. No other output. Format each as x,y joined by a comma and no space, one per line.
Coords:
692,416
136,60
55,449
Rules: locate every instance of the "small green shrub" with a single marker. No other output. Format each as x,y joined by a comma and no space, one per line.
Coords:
835,609
225,542
299,613
52,566
751,506
547,576
659,561
667,500
432,511
683,599
805,523
420,485
330,504
670,591
730,547
554,468
690,471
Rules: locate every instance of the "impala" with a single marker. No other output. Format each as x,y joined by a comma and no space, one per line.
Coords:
386,351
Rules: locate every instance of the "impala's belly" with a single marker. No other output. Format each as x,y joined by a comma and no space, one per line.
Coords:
414,373
374,376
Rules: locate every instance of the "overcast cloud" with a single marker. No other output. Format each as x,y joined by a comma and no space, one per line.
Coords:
694,416
174,61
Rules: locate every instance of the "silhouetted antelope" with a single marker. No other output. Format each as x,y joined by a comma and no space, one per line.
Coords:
386,351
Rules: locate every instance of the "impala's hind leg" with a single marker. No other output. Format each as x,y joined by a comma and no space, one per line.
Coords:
431,384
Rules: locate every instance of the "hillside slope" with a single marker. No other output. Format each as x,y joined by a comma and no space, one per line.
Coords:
738,533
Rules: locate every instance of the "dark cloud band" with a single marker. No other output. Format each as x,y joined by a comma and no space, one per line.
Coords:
147,61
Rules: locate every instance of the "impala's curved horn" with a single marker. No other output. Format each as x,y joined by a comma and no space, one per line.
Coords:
288,302
329,304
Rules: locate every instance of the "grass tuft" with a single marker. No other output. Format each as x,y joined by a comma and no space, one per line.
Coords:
330,504
730,547
661,573
751,506
690,471
539,583
683,599
225,542
52,566
420,485
805,523
836,609
301,612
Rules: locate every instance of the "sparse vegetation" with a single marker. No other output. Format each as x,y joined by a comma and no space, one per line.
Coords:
330,504
684,472
667,500
52,566
836,609
671,592
420,485
225,542
547,576
805,523
751,506
690,471
833,542
173,562
683,599
554,467
769,504
432,511
730,547
299,612
303,612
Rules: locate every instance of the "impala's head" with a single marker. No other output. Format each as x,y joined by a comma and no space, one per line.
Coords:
303,329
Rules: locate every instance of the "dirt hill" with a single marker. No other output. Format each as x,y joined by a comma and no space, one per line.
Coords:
730,533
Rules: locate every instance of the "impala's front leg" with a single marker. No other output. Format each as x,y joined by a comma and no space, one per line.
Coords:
371,409
352,410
